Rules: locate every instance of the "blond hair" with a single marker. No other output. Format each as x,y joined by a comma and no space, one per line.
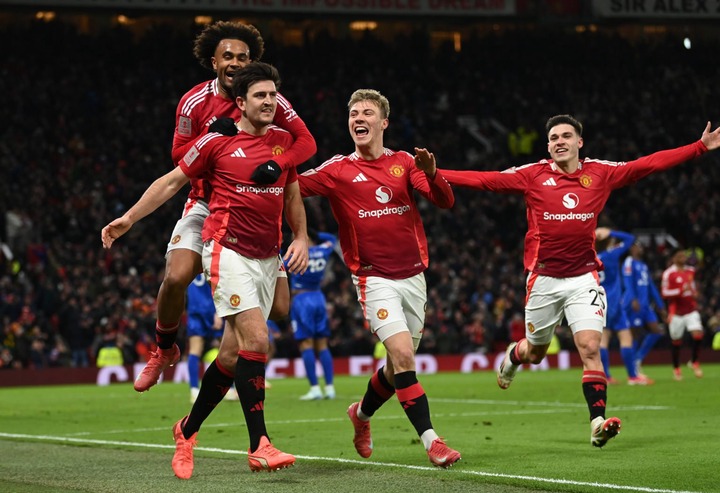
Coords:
371,95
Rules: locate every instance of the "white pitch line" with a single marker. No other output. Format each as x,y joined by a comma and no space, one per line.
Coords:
563,408
602,486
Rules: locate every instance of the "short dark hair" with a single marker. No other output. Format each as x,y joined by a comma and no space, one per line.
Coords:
560,119
207,41
252,73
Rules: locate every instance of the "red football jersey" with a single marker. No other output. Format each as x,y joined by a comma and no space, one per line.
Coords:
203,104
380,230
678,288
563,209
244,217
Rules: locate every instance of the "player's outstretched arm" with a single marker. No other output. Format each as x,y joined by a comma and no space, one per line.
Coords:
711,139
156,195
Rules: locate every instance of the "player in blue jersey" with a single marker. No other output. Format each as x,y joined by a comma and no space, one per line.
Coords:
639,293
308,315
611,247
202,325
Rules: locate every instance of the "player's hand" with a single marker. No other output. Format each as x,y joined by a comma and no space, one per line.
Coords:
602,233
114,230
425,161
224,125
266,173
711,139
296,258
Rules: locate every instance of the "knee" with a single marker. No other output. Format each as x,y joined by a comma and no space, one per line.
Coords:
592,347
589,349
403,360
178,278
227,359
321,344
258,343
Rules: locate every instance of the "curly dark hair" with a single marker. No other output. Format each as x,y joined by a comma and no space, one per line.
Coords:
208,40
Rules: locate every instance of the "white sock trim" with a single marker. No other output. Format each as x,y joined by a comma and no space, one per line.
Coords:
428,438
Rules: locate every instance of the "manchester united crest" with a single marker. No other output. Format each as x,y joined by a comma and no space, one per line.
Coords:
530,328
397,170
382,314
258,383
175,239
586,181
234,300
277,150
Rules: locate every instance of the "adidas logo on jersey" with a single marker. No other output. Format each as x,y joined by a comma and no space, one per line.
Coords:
550,182
238,153
359,177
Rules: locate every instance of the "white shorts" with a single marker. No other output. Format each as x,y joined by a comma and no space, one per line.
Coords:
282,272
239,283
392,306
187,233
679,323
580,300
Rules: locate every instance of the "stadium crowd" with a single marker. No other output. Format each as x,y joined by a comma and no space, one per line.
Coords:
89,127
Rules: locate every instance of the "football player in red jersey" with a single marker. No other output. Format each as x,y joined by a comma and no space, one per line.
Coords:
224,47
240,255
564,196
678,288
384,246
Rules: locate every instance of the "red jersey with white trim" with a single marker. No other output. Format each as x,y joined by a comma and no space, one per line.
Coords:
563,209
203,104
244,217
678,288
380,230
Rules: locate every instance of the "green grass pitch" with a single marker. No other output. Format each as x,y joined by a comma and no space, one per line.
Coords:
532,437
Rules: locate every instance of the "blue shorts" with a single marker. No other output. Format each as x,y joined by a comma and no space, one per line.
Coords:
201,325
308,314
645,316
616,318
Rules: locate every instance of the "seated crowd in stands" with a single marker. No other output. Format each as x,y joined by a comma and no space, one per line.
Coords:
86,132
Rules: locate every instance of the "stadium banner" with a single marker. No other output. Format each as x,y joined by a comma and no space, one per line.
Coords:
479,8
279,368
668,9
